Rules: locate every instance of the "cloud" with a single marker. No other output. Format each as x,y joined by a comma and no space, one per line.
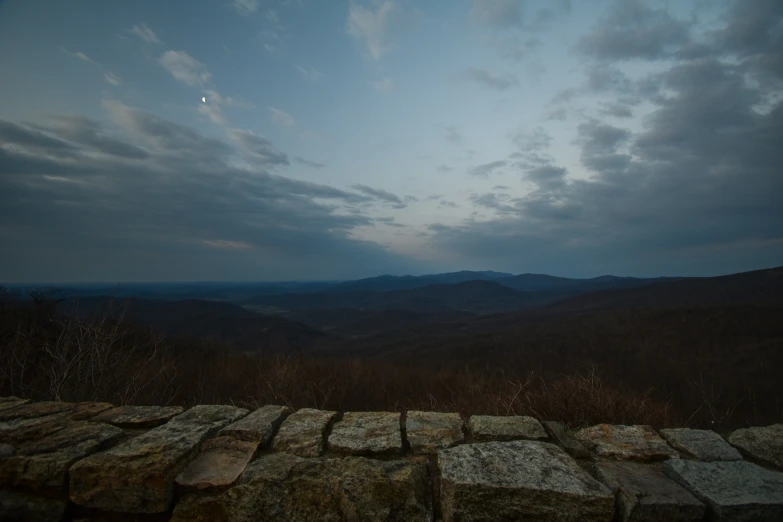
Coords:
631,29
453,135
498,14
259,149
380,195
383,85
308,73
444,168
226,244
245,7
185,68
378,29
282,117
492,201
160,201
388,221
144,33
85,132
699,176
486,79
483,171
309,163
107,75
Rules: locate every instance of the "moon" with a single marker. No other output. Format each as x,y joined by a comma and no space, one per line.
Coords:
203,99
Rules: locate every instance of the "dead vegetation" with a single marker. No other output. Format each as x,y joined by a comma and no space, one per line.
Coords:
52,354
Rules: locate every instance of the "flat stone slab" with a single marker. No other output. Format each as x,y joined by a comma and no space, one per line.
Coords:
645,494
139,417
302,433
763,444
11,402
259,426
639,443
515,427
733,491
37,420
219,463
138,475
430,431
17,506
561,436
702,445
281,486
44,463
367,433
519,480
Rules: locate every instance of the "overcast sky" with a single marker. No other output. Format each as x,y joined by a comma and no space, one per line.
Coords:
308,139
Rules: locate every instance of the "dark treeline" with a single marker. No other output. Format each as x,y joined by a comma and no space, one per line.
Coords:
707,368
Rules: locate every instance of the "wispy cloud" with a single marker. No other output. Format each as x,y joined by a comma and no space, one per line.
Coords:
185,68
245,7
229,245
308,163
378,29
107,75
483,171
144,33
282,117
486,79
308,73
383,85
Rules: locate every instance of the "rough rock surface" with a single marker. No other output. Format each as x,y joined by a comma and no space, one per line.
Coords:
367,433
430,431
219,463
6,450
36,409
515,427
645,494
519,480
36,420
639,443
135,417
302,433
281,486
16,506
138,475
703,445
563,437
259,426
733,491
11,402
44,463
764,444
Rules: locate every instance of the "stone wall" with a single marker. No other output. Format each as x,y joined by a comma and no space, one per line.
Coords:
92,461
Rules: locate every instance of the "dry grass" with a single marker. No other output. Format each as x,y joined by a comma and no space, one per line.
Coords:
48,355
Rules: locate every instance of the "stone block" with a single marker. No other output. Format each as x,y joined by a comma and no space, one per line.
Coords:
734,491
645,494
617,442
519,480
763,444
702,445
219,463
302,433
281,486
138,475
139,417
429,431
367,433
514,427
259,426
